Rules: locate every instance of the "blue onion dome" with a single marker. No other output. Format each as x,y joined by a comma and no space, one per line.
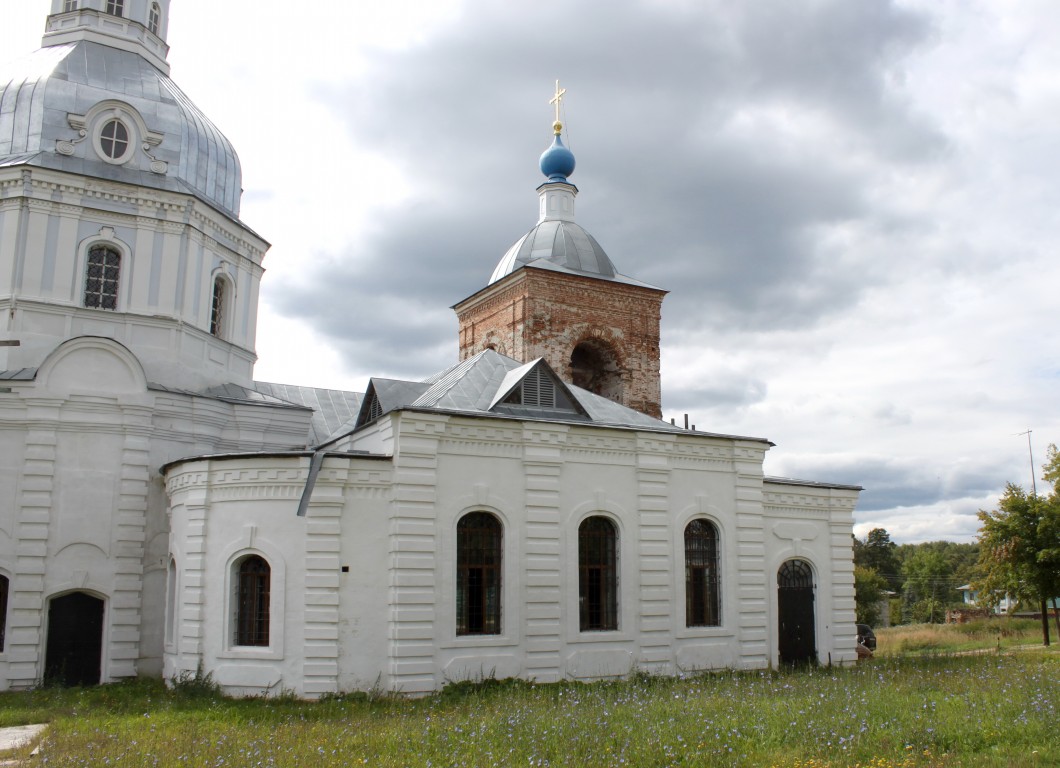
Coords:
557,162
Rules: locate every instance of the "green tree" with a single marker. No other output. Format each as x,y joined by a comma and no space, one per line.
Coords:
869,589
929,583
879,553
1051,468
1020,547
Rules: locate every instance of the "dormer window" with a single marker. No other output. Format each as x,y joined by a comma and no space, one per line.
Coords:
538,390
375,408
116,7
154,18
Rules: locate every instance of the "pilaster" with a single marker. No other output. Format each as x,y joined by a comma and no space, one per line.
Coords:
412,552
320,620
25,639
655,620
752,580
543,617
129,533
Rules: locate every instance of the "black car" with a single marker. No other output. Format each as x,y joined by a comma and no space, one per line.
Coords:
866,636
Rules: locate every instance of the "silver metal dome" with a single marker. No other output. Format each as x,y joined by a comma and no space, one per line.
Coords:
42,95
562,243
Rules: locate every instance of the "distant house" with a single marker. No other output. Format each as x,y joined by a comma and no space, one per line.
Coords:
970,597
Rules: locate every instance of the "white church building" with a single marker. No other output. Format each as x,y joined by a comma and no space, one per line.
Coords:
524,513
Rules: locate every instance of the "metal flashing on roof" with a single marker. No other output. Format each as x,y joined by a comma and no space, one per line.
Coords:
811,483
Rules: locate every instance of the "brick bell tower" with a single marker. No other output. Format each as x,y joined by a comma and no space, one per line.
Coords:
555,294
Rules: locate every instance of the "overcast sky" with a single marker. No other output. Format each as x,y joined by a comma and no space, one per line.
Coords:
854,205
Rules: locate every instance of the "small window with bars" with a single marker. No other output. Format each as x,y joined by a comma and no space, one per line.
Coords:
102,276
217,307
702,603
479,537
597,575
253,575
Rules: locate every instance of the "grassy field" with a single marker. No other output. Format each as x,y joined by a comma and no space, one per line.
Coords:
890,712
981,634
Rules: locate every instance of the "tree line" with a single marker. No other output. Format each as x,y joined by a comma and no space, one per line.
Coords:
1017,556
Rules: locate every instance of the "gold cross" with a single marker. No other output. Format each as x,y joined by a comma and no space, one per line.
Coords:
557,99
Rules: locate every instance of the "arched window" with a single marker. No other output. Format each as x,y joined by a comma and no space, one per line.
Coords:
701,575
102,274
597,574
4,587
594,366
154,18
479,536
116,7
252,601
218,306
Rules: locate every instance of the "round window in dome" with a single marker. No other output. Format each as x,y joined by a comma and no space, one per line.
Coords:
114,139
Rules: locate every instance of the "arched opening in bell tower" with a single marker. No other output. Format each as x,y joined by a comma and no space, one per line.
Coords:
594,366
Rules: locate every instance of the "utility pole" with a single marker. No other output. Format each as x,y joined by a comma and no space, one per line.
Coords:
1034,484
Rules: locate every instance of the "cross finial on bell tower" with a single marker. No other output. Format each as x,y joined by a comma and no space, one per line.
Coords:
557,99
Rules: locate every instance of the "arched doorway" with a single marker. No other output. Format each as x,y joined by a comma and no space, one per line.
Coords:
75,640
796,634
594,366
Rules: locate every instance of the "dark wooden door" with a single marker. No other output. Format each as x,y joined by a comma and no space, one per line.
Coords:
75,640
797,637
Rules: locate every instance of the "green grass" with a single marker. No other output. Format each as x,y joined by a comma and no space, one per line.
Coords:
994,710
1000,633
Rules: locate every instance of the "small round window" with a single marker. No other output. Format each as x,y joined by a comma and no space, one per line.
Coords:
114,139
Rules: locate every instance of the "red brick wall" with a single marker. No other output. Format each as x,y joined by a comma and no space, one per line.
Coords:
537,313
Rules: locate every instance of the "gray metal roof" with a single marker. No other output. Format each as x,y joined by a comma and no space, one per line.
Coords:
19,374
39,91
561,242
472,386
334,410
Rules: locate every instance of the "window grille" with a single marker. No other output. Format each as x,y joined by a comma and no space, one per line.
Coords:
217,307
597,575
795,574
701,575
252,601
102,275
479,538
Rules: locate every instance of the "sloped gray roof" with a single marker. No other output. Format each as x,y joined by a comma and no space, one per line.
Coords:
472,386
334,410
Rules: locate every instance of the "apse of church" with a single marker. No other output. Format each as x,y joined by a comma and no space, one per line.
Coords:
556,295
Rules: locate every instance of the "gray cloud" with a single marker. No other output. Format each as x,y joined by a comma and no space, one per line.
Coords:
674,194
